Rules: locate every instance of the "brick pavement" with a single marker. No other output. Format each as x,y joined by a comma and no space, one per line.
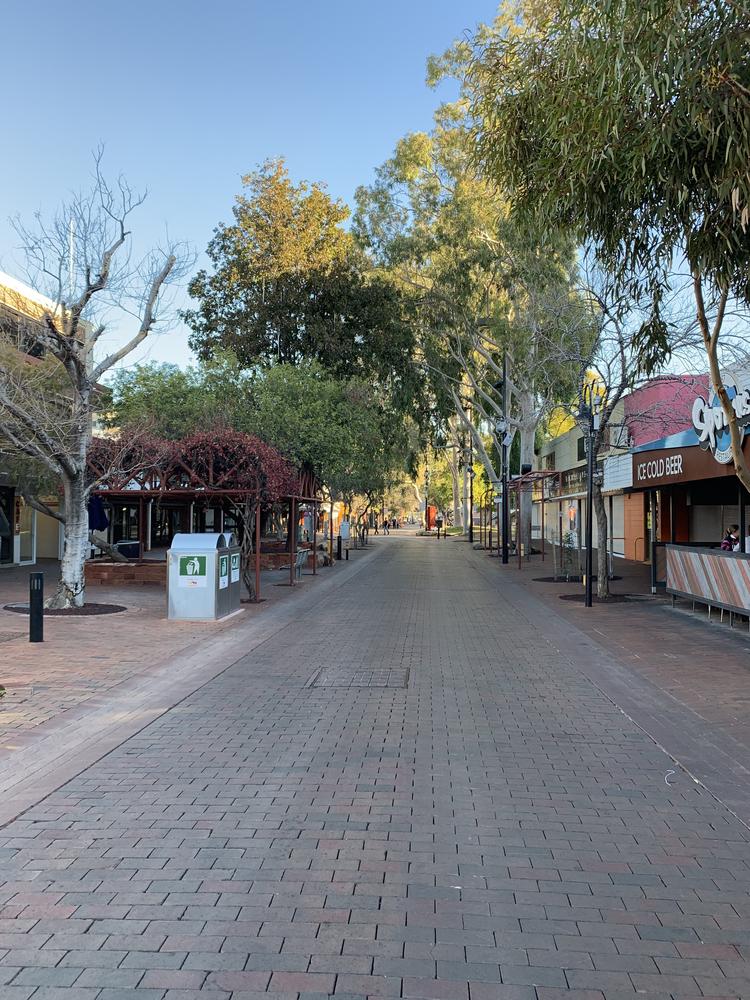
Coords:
84,660
496,830
687,680
132,673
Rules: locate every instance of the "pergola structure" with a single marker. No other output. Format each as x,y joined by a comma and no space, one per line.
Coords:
526,483
228,468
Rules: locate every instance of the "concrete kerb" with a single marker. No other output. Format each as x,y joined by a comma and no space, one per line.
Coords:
66,745
714,760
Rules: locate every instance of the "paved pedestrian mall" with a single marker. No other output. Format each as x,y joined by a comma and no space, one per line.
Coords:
408,791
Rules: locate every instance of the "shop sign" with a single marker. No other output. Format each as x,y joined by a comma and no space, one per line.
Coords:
664,467
711,425
571,482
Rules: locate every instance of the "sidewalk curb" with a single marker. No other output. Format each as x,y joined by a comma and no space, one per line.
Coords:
69,743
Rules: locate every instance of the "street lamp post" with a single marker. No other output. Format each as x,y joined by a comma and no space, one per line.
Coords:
587,413
468,499
506,511
589,508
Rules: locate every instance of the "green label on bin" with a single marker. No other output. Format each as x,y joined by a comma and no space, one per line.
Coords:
192,571
223,572
235,567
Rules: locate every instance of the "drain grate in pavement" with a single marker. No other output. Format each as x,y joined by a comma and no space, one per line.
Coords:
375,678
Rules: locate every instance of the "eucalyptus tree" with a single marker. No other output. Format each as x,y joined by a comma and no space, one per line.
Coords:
482,285
289,285
628,123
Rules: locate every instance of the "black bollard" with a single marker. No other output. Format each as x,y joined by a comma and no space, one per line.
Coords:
338,547
347,553
36,607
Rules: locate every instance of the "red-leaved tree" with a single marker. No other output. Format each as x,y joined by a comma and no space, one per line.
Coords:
249,470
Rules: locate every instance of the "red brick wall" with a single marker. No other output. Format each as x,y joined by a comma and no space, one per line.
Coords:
118,574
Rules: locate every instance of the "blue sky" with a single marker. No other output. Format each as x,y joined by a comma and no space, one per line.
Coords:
188,96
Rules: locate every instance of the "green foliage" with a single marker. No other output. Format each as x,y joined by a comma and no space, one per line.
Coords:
441,485
478,277
289,285
338,428
175,402
628,123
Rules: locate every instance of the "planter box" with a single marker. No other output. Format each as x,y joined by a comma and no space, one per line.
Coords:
115,574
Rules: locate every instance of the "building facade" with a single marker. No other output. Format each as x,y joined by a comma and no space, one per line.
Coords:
26,535
687,478
660,407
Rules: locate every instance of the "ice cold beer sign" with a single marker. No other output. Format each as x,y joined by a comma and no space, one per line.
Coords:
659,468
711,425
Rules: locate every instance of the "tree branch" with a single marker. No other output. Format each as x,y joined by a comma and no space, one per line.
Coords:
146,323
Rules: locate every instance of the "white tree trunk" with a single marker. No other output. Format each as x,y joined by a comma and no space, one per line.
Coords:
71,590
527,434
453,462
465,513
602,570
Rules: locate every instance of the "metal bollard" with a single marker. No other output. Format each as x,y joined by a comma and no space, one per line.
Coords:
338,547
347,553
36,607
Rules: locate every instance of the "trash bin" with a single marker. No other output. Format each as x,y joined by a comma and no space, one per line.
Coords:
235,575
198,575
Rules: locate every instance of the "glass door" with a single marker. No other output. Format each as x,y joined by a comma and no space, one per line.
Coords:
6,524
27,533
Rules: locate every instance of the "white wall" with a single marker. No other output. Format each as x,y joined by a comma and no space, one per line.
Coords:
47,537
617,528
618,472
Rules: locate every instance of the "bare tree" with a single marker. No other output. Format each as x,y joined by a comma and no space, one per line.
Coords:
48,393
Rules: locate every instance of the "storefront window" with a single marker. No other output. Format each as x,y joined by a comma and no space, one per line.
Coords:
124,523
27,525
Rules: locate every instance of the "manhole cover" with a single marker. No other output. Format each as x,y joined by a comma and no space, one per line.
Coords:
376,678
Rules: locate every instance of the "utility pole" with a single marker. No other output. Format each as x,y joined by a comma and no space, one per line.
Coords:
587,412
589,505
504,457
